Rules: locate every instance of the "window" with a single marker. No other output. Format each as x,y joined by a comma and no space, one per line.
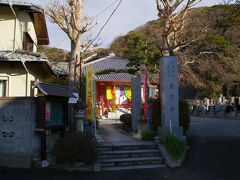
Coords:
3,88
27,42
55,113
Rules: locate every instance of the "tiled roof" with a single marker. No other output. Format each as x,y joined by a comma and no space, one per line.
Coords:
114,77
21,4
20,55
15,2
29,58
60,68
53,90
110,63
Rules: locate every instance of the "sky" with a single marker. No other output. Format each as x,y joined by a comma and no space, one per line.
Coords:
130,15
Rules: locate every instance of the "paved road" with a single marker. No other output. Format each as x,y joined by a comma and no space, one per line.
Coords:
214,154
214,147
214,127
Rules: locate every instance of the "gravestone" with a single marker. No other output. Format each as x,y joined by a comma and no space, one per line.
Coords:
136,102
206,103
169,97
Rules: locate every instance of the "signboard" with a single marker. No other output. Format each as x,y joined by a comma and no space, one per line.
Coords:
73,100
89,93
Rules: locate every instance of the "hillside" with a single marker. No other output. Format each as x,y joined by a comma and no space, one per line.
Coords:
54,54
210,65
61,55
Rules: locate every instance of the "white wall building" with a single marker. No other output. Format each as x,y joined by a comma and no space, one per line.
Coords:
23,28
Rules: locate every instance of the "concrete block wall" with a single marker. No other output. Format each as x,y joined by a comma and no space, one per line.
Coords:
17,137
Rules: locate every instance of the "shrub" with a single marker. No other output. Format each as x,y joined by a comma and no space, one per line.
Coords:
126,119
184,116
148,136
173,145
156,112
75,147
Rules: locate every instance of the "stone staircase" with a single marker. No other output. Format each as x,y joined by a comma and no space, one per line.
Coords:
123,156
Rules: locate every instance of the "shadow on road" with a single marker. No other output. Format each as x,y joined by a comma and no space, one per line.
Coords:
215,155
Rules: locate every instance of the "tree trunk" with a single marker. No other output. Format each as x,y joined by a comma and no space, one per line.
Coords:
74,70
166,49
76,22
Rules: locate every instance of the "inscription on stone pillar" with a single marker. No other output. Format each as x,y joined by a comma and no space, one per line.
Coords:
169,95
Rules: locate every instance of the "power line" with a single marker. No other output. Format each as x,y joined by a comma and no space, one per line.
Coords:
104,25
106,8
60,42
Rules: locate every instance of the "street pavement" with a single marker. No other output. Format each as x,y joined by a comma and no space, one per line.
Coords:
214,154
214,127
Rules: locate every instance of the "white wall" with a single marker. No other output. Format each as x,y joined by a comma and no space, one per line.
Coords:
16,80
24,24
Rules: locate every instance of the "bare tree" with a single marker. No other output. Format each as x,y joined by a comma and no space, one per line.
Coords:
173,14
68,15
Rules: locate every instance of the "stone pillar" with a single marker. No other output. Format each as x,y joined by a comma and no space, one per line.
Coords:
169,96
79,118
136,102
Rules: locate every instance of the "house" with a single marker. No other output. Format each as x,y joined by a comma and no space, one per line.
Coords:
24,26
113,90
33,114
20,65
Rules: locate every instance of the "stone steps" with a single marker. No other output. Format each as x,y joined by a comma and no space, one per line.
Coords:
129,156
129,153
103,147
149,166
131,161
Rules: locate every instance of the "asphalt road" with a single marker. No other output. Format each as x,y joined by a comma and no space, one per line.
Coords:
214,154
214,127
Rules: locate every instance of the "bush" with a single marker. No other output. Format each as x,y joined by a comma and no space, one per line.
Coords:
184,116
76,147
148,136
156,112
126,119
174,146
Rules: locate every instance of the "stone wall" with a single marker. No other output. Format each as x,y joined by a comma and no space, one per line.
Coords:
18,141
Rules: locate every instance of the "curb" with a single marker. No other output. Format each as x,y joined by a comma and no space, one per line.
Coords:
169,161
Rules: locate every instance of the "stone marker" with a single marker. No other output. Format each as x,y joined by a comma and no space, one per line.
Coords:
169,96
136,102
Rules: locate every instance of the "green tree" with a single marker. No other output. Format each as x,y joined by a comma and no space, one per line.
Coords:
229,16
140,51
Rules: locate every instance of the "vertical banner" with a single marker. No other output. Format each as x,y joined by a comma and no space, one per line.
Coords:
145,89
89,93
114,106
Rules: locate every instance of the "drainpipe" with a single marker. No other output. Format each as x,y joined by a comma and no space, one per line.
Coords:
15,24
27,72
